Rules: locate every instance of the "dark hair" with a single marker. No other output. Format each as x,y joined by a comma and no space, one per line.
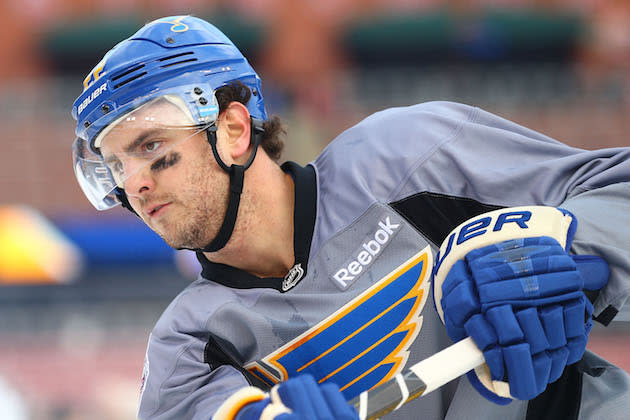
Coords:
272,142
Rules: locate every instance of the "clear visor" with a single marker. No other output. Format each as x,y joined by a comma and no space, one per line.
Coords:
142,140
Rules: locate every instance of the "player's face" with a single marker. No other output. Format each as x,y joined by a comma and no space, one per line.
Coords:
169,175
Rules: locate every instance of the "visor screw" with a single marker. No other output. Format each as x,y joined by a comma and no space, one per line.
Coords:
254,92
198,91
170,40
203,101
86,124
105,108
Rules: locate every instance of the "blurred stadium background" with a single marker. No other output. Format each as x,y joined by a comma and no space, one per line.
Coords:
80,291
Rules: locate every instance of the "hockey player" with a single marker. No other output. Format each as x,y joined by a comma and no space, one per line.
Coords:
319,278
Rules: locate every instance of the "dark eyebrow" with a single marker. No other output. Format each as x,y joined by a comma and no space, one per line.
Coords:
134,144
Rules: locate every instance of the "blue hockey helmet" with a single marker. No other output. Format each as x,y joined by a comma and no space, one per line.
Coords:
183,58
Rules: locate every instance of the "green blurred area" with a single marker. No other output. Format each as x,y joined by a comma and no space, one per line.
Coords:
367,40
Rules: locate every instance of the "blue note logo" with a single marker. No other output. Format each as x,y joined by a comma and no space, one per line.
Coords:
364,343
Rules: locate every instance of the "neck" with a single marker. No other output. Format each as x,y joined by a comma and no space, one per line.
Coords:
262,241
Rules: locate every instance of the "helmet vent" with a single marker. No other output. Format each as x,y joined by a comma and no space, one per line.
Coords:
175,63
178,62
126,72
124,82
170,57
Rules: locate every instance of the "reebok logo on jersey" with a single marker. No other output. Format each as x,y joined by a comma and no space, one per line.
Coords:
366,254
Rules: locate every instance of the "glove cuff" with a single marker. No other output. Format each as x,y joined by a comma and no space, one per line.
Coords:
231,407
276,407
481,381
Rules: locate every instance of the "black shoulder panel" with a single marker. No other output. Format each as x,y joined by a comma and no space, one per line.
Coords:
217,354
436,215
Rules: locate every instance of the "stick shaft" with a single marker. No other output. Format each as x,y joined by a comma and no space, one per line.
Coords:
420,379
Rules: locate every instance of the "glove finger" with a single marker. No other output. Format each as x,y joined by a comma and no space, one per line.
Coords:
520,371
559,359
588,307
573,313
455,332
337,403
542,370
553,322
486,339
288,393
505,324
461,303
494,360
484,271
593,269
520,304
587,327
457,274
589,316
576,347
546,284
533,330
301,394
482,333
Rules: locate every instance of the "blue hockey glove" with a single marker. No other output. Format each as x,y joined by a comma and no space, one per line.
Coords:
299,398
520,300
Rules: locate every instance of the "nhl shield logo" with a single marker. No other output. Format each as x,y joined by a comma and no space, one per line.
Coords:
293,277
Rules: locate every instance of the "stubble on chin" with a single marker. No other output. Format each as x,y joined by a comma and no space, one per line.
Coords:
192,237
188,231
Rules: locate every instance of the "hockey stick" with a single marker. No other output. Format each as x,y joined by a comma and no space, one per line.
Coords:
420,379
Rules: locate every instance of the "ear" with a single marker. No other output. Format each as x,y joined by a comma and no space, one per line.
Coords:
236,126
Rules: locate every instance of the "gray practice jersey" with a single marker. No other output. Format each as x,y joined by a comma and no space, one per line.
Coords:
357,308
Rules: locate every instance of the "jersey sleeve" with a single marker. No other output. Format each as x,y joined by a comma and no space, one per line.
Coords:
497,162
467,160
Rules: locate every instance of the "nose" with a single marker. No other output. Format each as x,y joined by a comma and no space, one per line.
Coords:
139,178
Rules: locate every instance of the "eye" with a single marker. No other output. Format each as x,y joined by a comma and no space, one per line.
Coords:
151,146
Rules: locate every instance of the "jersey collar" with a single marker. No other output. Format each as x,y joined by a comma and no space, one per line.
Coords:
304,223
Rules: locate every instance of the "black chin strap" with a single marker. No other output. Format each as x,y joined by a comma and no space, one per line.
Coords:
237,175
122,196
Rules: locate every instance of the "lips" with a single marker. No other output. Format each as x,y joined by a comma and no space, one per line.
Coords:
153,211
